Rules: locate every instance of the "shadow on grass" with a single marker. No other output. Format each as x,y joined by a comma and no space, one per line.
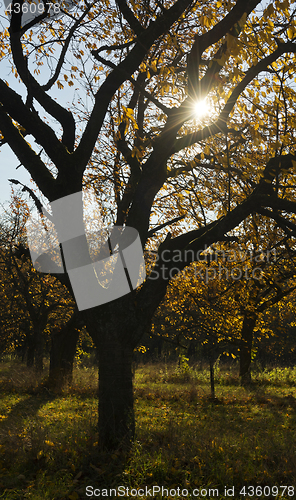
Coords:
11,426
13,447
51,454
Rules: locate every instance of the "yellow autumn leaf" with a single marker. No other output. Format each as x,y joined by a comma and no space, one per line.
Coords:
49,443
153,66
290,33
129,112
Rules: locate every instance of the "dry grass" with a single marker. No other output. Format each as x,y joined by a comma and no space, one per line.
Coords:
184,439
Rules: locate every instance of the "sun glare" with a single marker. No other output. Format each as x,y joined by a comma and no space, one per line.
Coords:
201,109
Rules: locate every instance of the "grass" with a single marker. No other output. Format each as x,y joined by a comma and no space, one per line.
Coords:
184,439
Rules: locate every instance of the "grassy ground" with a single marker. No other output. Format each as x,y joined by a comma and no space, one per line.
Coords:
184,439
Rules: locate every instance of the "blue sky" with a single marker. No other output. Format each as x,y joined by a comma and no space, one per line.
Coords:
8,164
8,161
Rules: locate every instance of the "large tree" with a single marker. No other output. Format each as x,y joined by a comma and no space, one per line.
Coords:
138,69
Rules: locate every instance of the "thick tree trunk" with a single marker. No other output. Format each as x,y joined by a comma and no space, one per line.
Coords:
62,353
116,405
246,348
115,329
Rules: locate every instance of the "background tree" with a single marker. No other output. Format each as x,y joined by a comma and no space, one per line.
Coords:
35,307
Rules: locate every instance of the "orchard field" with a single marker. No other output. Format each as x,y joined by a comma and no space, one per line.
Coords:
184,439
158,207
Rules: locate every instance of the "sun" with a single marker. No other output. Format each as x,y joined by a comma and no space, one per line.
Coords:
201,109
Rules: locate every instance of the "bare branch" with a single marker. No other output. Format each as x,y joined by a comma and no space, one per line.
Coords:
27,156
129,16
165,224
12,103
220,125
128,66
63,116
53,79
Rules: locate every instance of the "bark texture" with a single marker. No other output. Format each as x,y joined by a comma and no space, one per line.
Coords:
116,405
115,329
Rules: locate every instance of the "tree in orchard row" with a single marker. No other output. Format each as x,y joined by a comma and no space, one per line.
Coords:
279,347
228,291
276,283
26,303
35,308
138,70
219,303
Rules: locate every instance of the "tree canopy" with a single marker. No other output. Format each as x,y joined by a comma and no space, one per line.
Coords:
179,111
